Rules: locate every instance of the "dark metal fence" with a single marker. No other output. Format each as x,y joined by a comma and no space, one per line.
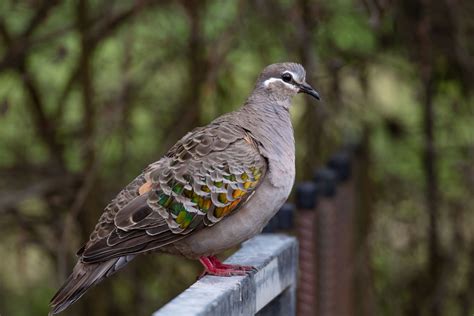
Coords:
325,212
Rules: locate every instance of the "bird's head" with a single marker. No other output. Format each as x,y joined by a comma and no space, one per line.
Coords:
284,81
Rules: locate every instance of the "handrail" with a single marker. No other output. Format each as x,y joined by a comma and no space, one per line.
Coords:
269,291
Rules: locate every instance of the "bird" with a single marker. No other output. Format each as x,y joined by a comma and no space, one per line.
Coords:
218,186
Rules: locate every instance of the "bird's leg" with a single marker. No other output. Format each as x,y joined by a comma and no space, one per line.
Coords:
212,266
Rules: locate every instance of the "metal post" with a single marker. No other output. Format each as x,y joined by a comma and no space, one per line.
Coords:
306,230
328,265
341,164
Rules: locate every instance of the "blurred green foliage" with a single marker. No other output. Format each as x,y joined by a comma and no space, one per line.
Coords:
156,69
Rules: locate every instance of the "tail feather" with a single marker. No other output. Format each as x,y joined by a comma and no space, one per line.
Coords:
84,276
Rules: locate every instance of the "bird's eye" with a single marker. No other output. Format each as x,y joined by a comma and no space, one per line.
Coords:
286,77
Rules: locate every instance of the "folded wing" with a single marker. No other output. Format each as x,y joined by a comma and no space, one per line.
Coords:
205,177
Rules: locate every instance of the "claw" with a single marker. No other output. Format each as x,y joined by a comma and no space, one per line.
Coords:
213,266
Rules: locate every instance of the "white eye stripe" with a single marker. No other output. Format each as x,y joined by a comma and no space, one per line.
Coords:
269,81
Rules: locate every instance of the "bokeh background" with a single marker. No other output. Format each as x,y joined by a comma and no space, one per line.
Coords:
91,91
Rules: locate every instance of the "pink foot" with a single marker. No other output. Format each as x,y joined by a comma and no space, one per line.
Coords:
213,266
218,264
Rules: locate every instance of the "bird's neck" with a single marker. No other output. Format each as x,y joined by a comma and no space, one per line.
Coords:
269,97
269,121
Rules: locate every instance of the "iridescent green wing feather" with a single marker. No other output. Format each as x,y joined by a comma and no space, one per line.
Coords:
206,176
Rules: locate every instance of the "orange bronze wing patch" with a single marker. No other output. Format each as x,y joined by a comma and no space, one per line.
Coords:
145,187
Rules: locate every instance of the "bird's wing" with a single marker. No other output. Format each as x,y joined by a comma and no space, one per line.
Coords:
206,176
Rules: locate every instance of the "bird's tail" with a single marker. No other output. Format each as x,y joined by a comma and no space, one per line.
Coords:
84,276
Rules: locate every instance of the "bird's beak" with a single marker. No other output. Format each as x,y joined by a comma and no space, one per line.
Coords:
306,88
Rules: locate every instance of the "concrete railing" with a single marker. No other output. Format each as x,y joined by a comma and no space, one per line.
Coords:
269,291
